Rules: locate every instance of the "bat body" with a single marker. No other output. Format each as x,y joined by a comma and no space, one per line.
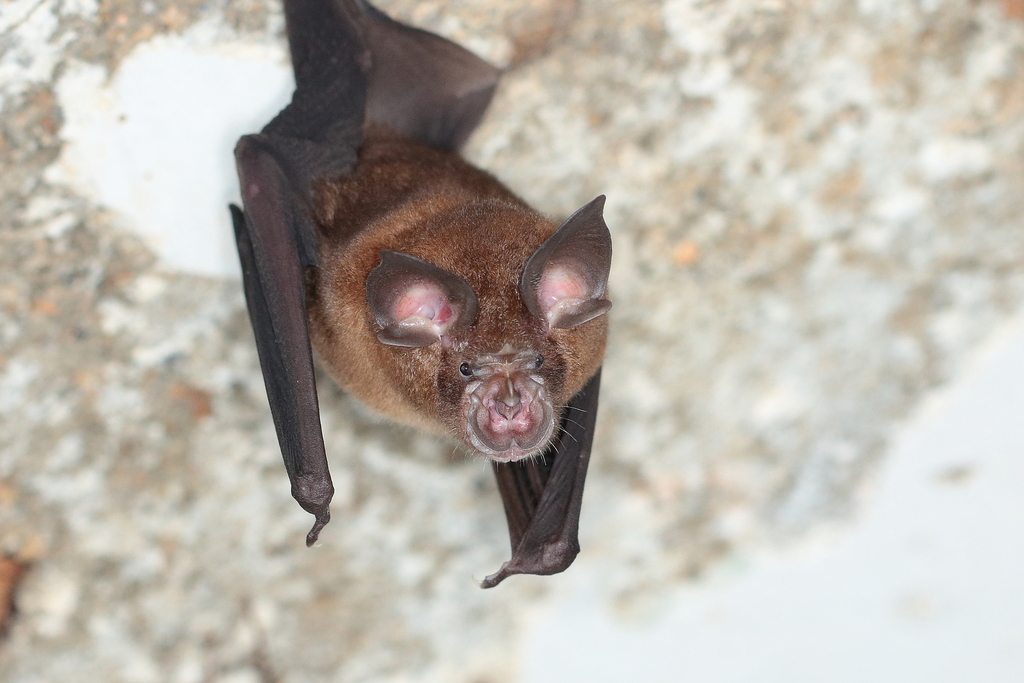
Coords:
431,292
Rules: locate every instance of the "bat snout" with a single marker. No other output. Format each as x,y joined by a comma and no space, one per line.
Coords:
509,417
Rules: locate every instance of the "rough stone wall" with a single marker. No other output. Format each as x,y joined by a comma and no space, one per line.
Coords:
816,209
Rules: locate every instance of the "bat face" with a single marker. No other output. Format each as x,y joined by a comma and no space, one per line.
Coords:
431,292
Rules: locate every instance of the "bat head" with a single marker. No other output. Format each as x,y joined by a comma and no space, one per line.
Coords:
505,363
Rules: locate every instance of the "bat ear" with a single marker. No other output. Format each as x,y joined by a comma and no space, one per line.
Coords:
564,281
416,303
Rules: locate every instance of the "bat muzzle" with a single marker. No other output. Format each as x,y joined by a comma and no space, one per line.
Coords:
509,416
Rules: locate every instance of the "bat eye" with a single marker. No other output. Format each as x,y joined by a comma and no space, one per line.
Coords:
465,370
539,362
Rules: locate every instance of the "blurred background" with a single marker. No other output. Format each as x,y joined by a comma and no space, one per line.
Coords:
810,456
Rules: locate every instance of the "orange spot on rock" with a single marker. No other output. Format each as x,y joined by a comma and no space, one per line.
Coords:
197,399
174,18
1014,8
685,253
45,306
8,494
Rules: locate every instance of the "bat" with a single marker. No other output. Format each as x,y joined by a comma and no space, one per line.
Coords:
431,292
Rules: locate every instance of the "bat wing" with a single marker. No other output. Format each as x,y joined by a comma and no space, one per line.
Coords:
543,496
422,85
351,64
315,136
273,293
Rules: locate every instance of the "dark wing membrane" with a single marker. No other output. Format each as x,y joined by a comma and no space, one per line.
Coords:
314,137
329,59
318,134
543,496
423,85
282,341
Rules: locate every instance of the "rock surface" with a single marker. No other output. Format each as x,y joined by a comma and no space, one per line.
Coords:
816,209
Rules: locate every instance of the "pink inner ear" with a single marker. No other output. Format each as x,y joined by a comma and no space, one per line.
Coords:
426,302
559,284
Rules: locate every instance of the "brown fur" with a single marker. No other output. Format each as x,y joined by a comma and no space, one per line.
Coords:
428,203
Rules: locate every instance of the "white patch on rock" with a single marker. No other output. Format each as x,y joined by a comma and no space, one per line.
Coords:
246,675
31,47
154,141
51,214
954,158
79,8
900,205
48,600
17,376
782,403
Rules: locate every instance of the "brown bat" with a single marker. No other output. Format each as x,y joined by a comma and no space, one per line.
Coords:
430,291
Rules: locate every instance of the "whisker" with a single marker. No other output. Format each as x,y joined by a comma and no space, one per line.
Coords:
570,436
569,406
